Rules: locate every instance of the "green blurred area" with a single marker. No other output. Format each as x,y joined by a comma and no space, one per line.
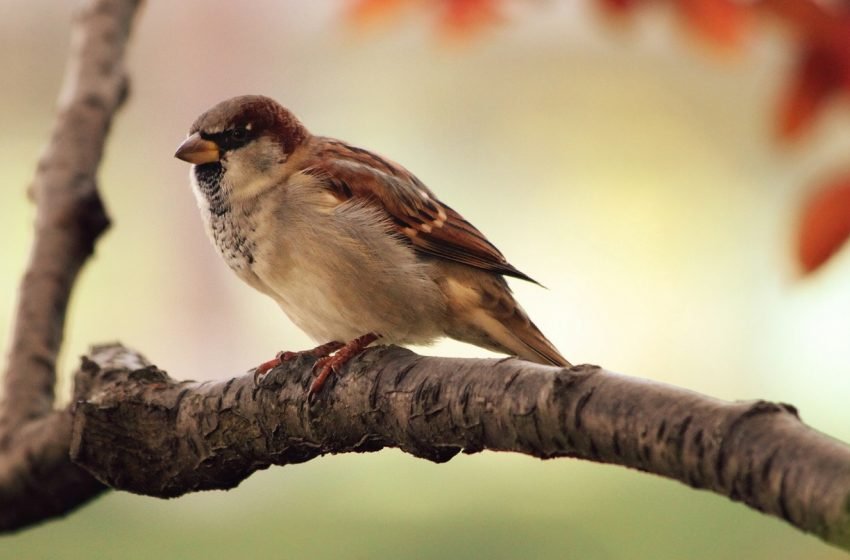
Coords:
631,173
394,506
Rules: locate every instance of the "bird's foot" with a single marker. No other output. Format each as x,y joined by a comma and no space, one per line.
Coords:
331,364
321,351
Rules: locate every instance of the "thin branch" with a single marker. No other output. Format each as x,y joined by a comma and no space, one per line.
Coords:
69,219
144,432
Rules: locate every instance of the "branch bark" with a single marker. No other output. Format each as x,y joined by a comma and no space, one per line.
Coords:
69,219
141,431
131,427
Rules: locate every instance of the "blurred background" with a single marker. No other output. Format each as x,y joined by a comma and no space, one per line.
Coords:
628,169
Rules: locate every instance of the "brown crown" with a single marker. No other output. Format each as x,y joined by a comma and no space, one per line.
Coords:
264,115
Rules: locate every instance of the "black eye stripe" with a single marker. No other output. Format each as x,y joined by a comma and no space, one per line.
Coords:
231,138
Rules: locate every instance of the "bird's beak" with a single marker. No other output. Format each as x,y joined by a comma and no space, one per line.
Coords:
197,150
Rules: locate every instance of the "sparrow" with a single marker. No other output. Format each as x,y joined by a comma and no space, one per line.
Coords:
352,246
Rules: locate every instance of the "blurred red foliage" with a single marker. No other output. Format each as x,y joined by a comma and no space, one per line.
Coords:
825,223
821,75
455,18
369,11
723,22
618,7
823,68
819,30
459,17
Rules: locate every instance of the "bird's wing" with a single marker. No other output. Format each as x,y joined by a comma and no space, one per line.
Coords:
432,227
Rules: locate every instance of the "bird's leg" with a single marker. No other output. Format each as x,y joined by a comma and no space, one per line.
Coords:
331,364
320,351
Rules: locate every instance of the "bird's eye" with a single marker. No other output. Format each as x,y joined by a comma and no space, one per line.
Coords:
238,133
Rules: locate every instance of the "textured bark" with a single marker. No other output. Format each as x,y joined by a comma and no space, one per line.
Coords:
143,432
37,479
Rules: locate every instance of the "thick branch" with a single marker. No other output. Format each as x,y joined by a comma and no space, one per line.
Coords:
69,219
143,432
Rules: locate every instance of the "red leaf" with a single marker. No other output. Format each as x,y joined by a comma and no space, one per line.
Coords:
825,224
807,17
370,11
618,7
820,74
461,17
823,69
723,22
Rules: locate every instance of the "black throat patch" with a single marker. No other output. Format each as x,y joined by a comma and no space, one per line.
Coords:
209,176
230,235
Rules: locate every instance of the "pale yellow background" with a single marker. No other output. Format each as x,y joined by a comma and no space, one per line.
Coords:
631,173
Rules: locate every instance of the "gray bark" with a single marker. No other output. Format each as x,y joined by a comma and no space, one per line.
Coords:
37,478
141,431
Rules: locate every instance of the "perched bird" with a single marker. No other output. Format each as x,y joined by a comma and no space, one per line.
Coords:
352,246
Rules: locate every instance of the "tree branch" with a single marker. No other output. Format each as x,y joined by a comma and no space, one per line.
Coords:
143,432
69,219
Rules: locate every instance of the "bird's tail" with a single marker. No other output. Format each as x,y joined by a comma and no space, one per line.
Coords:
522,337
491,317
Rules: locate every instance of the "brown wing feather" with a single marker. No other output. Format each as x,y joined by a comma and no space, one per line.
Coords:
431,226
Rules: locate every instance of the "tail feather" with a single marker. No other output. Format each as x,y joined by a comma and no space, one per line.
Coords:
537,347
485,313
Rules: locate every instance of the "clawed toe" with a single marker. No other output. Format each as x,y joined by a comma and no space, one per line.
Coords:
261,370
326,364
323,368
284,356
332,364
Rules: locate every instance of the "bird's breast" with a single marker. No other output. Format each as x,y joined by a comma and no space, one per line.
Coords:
231,229
338,273
232,238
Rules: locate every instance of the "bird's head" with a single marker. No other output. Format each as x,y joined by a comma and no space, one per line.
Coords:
243,144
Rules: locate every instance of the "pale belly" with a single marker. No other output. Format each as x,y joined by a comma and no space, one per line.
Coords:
334,271
338,287
335,300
